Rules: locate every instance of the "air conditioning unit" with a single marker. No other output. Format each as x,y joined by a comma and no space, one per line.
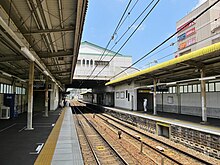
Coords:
4,112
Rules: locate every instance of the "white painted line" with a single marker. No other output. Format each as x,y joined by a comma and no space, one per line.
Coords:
7,127
38,149
22,129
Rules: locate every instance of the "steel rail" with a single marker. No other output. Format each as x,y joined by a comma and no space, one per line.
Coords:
116,153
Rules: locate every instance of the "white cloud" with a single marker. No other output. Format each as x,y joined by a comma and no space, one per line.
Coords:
200,2
141,27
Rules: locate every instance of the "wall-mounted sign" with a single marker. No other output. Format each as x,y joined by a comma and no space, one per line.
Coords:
181,37
187,43
187,34
187,26
161,88
39,84
191,32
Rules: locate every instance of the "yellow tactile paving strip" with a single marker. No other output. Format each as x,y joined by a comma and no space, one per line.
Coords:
46,154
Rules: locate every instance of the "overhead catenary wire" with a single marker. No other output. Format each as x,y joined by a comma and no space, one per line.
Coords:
162,43
123,33
129,37
131,25
112,37
173,43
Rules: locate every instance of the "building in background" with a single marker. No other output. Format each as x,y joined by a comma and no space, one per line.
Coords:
93,56
200,33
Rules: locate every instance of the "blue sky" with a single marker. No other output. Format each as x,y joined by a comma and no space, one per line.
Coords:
103,15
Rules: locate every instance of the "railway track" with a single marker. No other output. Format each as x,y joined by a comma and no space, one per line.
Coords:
153,147
96,150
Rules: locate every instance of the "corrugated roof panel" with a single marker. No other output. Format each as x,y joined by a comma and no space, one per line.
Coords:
192,55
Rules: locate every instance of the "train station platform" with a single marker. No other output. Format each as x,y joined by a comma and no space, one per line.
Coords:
62,146
53,141
19,146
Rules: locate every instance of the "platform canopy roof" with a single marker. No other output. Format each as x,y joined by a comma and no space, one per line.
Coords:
45,31
185,68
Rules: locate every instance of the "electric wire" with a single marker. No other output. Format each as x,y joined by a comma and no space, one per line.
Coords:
123,34
129,37
173,43
155,48
131,26
112,37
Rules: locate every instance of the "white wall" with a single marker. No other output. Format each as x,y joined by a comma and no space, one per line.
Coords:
54,97
123,102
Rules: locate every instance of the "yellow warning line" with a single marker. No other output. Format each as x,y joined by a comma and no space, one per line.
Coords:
46,154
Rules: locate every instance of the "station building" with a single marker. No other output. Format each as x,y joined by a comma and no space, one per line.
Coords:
91,60
202,32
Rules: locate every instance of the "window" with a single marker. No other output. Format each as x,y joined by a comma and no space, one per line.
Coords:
211,87
181,89
87,62
83,62
117,95
5,88
170,90
101,62
189,88
122,95
206,87
199,88
91,62
2,88
195,88
126,95
174,89
78,61
185,89
217,86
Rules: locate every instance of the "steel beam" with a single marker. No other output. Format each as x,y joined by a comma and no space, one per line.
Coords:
45,31
55,54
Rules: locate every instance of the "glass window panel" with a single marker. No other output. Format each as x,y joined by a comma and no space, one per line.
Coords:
170,90
195,88
10,89
189,88
174,89
5,88
2,88
185,88
211,87
217,86
122,95
207,87
181,89
199,87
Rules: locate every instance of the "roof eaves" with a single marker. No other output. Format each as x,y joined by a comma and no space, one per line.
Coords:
191,55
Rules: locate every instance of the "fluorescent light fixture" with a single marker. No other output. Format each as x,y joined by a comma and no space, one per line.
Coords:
171,83
208,78
45,72
27,53
6,74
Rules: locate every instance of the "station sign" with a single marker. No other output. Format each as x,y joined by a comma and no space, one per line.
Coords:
161,88
39,85
143,90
